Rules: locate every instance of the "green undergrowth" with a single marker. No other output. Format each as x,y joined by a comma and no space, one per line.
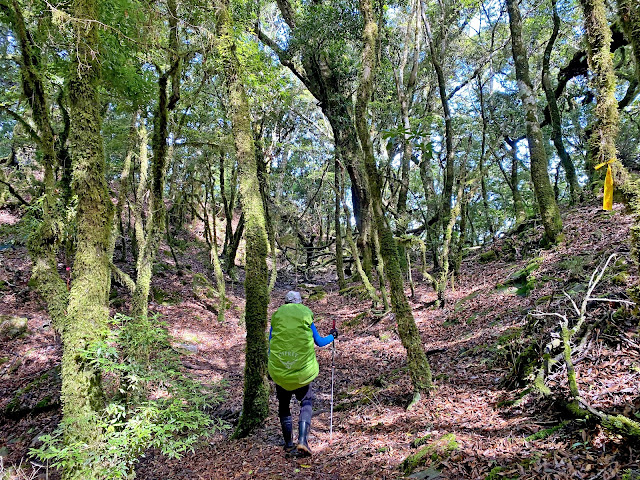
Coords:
23,399
149,403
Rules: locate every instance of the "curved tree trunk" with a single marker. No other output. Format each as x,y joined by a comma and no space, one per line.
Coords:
539,164
255,407
410,336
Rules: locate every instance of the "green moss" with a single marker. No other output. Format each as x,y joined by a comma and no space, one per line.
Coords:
357,291
12,326
543,299
418,442
487,257
356,320
202,287
630,474
539,385
44,403
317,296
460,303
433,452
12,406
547,432
509,336
495,474
622,425
620,279
577,266
522,282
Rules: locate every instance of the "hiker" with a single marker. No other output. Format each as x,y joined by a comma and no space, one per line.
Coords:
293,366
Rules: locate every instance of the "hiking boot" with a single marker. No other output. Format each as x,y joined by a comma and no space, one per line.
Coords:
287,432
303,450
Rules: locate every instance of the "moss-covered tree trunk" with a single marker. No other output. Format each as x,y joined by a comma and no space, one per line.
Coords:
255,407
88,312
481,163
519,211
554,112
602,146
539,165
156,217
336,220
629,13
449,172
43,245
350,153
419,368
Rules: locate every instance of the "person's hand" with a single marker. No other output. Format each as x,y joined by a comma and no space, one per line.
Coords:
334,332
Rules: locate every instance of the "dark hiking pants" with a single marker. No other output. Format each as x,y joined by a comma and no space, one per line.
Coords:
304,396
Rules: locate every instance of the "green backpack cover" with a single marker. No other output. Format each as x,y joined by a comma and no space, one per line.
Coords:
292,355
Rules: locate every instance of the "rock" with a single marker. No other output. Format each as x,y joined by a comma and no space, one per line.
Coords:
4,452
429,474
188,347
12,326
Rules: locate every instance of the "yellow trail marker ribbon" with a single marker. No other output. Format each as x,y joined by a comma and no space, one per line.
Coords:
607,199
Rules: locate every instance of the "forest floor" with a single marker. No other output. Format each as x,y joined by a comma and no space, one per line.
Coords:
477,427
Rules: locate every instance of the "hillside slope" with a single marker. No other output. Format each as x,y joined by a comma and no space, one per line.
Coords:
479,421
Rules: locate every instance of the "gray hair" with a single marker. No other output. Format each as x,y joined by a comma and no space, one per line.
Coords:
293,297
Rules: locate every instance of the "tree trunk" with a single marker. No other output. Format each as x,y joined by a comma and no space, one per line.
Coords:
629,14
88,312
342,284
554,113
328,84
519,211
447,190
605,131
539,165
410,336
156,218
43,245
255,407
481,164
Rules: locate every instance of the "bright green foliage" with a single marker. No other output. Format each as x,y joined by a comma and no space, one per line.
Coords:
149,402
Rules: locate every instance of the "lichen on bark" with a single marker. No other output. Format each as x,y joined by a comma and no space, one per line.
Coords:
88,312
256,389
539,163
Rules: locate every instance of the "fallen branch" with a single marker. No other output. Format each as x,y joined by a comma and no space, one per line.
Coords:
577,405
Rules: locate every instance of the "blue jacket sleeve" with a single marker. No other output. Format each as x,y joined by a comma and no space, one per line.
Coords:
320,341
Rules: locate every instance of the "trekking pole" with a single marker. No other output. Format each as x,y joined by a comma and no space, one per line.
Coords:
333,369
